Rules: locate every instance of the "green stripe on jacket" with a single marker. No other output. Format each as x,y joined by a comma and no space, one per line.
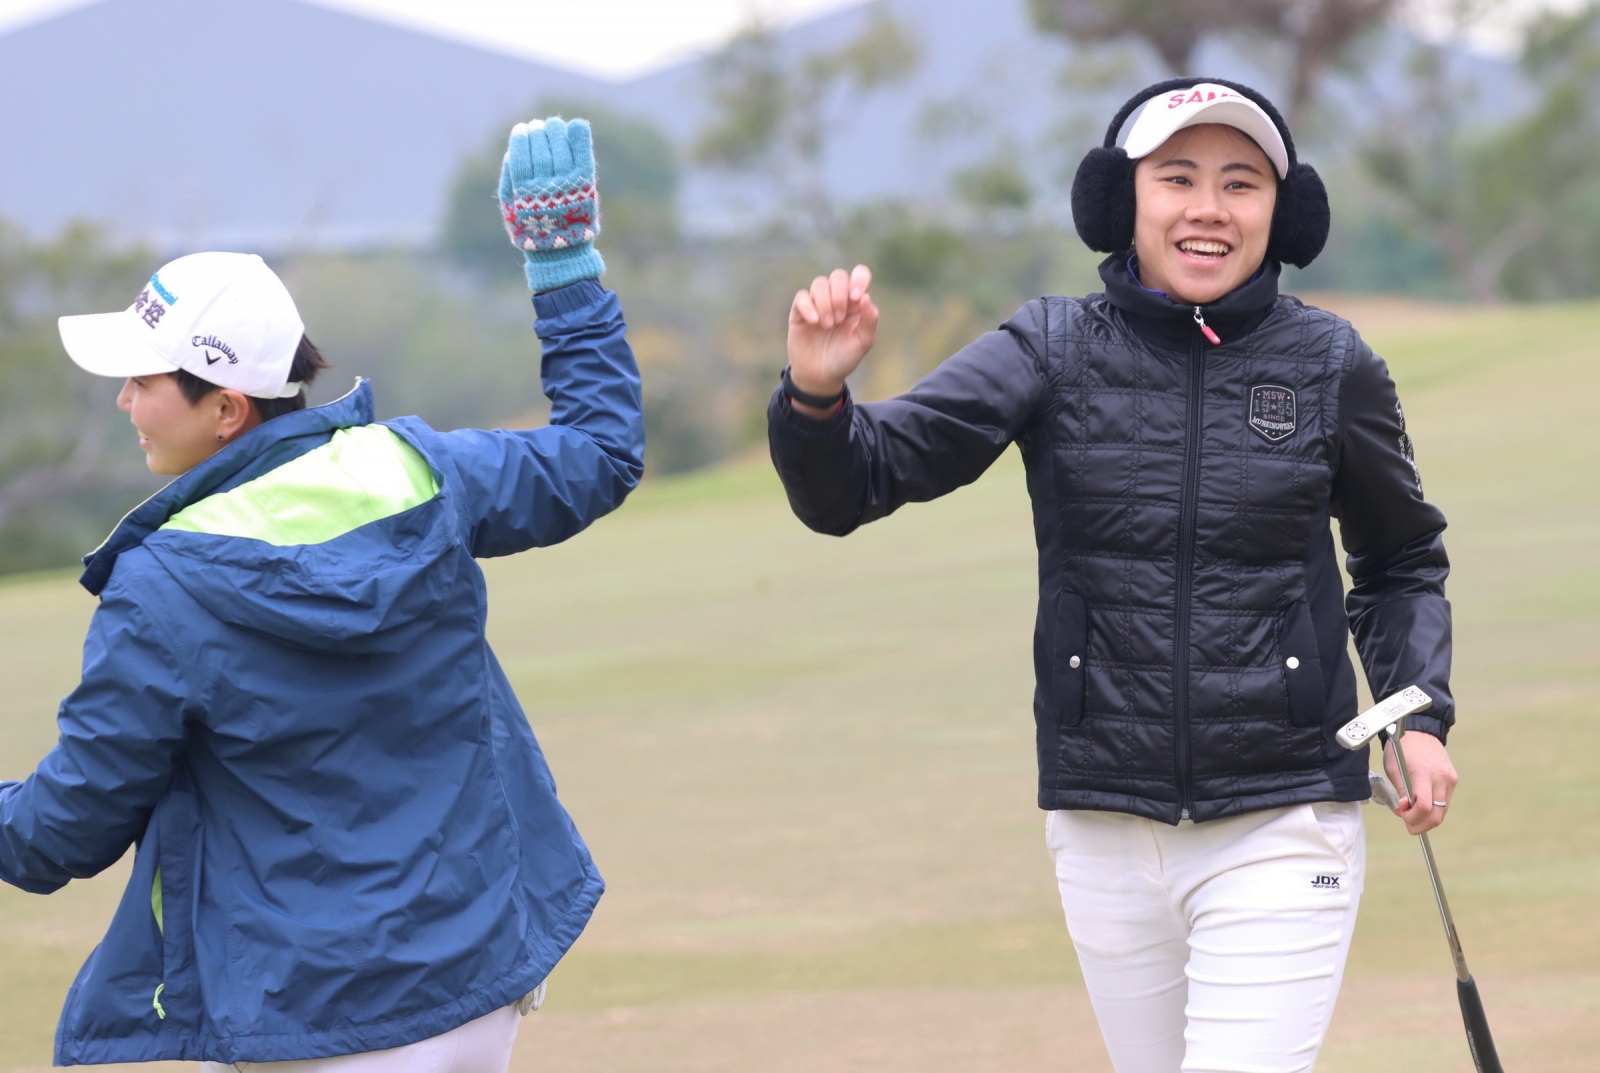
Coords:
362,475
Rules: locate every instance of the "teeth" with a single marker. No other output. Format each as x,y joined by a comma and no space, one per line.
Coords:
1195,245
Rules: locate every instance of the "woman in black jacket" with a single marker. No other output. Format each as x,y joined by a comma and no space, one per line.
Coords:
1188,434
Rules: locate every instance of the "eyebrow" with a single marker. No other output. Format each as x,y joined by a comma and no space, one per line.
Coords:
1237,165
1184,162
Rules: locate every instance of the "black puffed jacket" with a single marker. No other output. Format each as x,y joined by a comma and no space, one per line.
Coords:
1191,644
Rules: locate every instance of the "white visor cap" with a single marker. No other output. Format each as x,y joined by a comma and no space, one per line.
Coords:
225,317
1207,102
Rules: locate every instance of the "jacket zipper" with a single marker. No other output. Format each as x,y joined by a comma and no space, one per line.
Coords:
156,907
1186,540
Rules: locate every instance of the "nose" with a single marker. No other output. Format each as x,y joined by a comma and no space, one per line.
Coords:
1208,208
125,397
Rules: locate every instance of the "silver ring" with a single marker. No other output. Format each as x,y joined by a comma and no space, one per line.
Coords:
1442,804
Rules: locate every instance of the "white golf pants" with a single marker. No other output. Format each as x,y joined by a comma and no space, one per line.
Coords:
481,1046
1214,947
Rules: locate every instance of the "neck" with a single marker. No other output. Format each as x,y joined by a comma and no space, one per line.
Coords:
1170,320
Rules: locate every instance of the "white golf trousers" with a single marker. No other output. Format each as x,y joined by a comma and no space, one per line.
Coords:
481,1046
1215,947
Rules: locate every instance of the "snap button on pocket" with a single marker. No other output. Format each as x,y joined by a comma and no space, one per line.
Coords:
1074,662
1293,662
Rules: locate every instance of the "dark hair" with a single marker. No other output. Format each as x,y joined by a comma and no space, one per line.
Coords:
307,363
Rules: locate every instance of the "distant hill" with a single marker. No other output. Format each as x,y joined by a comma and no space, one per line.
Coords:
245,122
275,123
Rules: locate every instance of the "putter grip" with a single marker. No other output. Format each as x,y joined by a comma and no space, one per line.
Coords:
1478,1038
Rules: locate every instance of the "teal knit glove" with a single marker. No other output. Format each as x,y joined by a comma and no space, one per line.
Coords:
549,202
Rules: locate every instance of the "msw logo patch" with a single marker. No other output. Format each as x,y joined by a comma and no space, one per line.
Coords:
1272,412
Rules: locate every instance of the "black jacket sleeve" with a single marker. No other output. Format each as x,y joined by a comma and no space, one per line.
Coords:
1394,540
863,462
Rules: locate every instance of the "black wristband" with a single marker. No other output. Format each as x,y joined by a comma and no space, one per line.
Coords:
821,402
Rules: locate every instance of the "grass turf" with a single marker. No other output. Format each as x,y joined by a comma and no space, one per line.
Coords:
805,765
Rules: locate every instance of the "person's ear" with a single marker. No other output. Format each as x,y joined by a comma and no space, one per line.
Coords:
233,413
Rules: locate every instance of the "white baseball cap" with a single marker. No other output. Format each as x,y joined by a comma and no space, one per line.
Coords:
1206,102
225,317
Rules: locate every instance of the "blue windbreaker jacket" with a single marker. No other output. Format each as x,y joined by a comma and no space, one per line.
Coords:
348,838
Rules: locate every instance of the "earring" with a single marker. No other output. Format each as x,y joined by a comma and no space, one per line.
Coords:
219,435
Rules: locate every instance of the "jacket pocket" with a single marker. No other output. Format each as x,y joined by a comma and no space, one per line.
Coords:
1302,667
137,990
175,824
1070,657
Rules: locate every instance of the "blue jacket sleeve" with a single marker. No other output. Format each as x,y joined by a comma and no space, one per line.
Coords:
533,488
122,729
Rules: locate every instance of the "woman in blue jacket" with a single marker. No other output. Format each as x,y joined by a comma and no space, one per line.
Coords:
348,839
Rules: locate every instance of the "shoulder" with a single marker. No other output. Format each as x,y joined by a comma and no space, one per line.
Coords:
420,436
1305,331
1292,309
1046,323
138,579
144,598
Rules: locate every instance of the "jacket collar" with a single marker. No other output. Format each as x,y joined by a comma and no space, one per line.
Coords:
262,449
1171,324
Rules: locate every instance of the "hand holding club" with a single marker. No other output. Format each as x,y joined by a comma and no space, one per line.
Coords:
1433,780
1421,765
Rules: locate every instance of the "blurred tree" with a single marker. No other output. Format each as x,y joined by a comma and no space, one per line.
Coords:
996,192
639,175
907,251
1173,28
1515,210
995,186
773,116
1317,33
1541,176
69,464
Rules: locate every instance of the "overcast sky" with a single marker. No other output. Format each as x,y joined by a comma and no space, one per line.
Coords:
621,38
610,38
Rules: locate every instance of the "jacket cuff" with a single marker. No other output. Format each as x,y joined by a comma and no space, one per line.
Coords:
1428,724
548,270
566,299
805,424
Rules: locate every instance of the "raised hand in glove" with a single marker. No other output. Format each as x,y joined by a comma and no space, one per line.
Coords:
549,202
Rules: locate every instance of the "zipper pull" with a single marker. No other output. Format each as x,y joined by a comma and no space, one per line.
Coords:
1205,329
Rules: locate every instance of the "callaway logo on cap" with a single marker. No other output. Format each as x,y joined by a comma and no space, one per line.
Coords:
1162,117
225,317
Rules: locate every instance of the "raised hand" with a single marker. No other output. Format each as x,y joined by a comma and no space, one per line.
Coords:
831,327
549,202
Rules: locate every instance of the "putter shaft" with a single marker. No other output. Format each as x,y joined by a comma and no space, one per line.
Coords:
1456,954
1390,715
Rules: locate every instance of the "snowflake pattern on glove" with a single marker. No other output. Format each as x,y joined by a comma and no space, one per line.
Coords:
548,199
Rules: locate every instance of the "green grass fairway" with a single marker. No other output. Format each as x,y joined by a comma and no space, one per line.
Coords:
805,765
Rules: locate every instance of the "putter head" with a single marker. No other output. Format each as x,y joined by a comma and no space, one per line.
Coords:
1382,792
1381,716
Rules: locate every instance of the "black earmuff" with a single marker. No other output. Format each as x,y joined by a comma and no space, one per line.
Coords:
1103,200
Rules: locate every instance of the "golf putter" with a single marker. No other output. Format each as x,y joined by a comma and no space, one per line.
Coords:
1390,717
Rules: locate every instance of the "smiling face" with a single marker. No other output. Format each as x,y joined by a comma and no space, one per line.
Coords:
175,434
1204,212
